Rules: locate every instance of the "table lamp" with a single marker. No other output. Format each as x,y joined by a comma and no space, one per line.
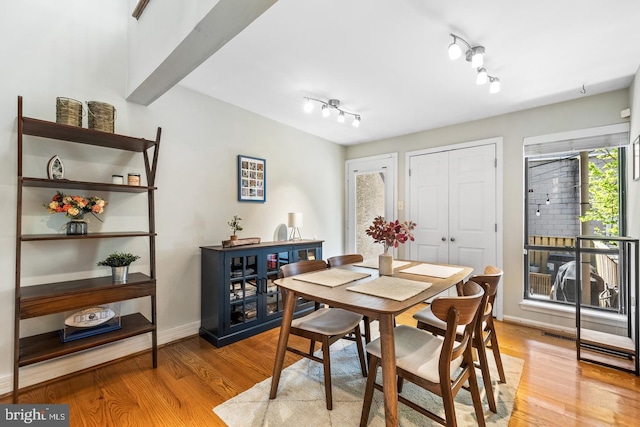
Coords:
295,222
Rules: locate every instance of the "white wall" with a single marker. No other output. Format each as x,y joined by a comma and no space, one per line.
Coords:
77,49
585,112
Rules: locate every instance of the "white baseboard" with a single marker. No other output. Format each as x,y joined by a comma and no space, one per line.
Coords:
540,325
54,368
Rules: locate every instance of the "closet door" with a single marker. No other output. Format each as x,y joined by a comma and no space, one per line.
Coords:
453,201
472,207
429,208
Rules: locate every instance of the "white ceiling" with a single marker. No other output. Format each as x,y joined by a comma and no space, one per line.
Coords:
387,60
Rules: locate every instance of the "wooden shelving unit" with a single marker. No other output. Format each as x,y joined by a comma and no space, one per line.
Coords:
57,297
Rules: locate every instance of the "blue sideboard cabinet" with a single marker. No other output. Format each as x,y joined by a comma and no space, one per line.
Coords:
238,296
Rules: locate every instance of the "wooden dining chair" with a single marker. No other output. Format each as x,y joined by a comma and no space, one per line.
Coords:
484,332
337,261
326,325
441,366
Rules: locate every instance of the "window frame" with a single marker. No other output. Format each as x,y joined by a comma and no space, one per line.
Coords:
542,141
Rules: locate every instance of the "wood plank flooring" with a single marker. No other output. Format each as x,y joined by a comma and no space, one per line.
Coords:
193,376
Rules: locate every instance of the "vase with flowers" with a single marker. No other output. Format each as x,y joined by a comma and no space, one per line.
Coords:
75,208
391,234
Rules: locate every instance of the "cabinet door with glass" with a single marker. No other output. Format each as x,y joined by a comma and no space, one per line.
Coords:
273,298
306,253
243,281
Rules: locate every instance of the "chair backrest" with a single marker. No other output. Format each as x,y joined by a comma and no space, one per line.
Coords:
300,267
337,261
455,311
489,282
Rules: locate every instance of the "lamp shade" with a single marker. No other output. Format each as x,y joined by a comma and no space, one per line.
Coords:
294,219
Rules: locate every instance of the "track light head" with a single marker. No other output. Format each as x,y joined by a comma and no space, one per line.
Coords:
325,110
494,84
356,121
341,117
475,55
454,50
482,77
308,106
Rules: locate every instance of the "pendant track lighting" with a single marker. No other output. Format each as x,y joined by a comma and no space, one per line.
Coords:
332,104
474,55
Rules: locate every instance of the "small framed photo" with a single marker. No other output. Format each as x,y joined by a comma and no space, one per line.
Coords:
635,157
252,179
55,168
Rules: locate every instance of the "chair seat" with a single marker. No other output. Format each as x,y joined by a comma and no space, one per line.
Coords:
417,352
328,321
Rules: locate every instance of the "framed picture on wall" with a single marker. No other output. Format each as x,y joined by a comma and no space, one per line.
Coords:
635,156
252,179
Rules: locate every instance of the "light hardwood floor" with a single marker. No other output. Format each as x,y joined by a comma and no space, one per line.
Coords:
193,376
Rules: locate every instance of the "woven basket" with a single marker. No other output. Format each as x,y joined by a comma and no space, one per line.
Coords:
68,112
102,116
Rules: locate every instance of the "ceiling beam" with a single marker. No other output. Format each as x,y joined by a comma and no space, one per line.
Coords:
139,8
221,24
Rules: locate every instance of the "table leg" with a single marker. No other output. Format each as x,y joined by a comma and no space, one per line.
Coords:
287,317
389,370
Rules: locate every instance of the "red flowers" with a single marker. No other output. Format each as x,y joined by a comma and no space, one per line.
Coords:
392,233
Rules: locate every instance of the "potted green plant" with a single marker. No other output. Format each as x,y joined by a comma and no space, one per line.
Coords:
119,263
234,225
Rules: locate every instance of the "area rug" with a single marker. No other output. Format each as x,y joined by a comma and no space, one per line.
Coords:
300,400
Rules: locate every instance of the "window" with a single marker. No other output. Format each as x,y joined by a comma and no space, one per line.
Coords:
558,207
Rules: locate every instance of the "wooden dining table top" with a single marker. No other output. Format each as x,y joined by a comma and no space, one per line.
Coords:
369,305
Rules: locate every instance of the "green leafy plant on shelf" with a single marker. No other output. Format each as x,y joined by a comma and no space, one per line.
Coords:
234,224
118,259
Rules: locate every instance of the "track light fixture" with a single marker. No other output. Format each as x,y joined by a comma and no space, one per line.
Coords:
327,106
474,55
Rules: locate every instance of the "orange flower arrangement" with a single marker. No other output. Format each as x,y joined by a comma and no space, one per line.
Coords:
75,207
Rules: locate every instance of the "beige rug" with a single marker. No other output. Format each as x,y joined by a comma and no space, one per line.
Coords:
300,400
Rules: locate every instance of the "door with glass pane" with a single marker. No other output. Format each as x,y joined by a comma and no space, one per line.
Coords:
371,191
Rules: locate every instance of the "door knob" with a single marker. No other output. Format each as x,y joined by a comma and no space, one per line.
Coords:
453,239
444,239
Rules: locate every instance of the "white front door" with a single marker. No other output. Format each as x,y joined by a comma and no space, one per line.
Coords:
452,197
371,191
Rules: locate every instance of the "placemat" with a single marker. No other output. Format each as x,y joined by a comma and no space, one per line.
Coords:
389,287
373,263
441,271
332,277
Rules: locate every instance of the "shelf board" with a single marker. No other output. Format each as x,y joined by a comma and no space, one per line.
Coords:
49,298
40,237
84,185
46,129
39,348
611,342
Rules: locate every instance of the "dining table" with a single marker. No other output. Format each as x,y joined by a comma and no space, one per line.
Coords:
378,297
